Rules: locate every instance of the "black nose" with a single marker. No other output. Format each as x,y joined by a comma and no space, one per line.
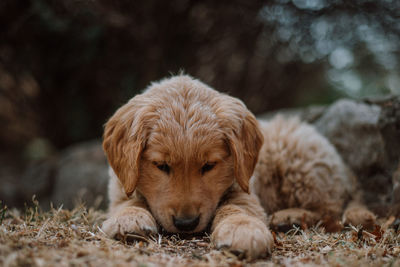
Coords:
186,224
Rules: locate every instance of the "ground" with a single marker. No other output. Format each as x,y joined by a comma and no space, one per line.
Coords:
61,237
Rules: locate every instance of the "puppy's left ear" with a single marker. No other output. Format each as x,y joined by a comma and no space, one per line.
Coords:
245,140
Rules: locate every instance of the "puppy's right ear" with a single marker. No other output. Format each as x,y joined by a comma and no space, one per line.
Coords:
123,142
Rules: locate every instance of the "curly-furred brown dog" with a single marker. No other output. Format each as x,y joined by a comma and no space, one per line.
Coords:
182,155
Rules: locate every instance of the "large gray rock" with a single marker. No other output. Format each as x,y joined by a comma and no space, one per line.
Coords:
81,176
353,128
9,174
77,174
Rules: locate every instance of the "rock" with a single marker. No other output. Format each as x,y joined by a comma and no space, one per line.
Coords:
38,179
353,128
82,174
9,181
79,173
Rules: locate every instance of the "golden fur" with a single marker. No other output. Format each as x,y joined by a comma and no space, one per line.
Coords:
300,173
182,156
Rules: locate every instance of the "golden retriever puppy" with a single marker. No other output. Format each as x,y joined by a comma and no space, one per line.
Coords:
300,178
182,155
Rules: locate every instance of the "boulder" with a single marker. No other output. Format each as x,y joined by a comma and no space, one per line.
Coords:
76,174
81,176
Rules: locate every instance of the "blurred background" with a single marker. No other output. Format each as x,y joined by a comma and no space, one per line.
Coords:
66,65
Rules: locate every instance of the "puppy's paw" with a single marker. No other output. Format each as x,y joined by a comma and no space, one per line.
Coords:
284,220
131,220
245,234
359,216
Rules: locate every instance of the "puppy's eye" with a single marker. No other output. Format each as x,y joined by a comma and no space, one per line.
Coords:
163,167
207,167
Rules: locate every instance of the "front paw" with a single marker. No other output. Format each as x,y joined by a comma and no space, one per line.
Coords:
131,220
243,234
284,220
359,216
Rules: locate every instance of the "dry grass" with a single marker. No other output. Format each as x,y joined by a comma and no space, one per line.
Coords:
62,237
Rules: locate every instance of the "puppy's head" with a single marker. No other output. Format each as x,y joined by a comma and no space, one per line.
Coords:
182,145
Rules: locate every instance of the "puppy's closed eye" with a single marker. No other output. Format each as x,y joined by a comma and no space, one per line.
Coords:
162,166
207,167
